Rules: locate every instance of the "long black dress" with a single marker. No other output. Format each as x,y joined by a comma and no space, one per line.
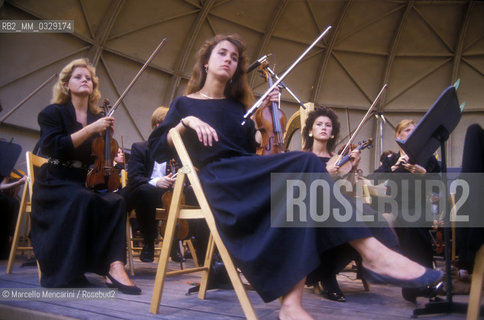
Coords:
415,243
336,258
74,229
237,185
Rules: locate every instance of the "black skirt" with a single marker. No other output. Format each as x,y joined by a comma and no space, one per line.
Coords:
74,230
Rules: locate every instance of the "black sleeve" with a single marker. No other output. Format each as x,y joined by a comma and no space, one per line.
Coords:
55,139
137,173
387,163
160,151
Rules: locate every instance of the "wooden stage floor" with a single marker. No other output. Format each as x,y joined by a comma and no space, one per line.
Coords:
380,303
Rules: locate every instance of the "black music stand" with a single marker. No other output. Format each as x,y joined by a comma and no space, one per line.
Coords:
432,131
9,155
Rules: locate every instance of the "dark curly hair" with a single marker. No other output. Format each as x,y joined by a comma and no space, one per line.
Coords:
312,116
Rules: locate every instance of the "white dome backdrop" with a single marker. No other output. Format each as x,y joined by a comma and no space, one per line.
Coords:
418,48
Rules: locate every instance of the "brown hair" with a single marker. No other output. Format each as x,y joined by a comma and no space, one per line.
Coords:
158,116
238,87
312,116
61,95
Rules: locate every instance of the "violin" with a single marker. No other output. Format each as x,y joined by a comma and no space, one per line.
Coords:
103,175
271,122
342,160
182,229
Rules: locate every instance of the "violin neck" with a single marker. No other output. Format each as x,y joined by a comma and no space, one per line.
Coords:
275,120
107,148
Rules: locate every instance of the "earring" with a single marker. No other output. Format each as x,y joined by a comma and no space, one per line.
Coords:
332,137
206,69
310,134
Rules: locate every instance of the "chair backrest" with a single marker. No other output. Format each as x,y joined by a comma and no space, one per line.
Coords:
33,162
190,171
206,213
124,178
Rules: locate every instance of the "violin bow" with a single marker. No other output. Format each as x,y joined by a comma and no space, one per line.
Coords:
368,113
116,104
275,84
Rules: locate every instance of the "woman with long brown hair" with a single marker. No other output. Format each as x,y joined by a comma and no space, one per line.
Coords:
237,183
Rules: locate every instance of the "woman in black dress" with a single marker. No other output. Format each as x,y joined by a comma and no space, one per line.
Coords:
237,185
415,243
74,229
320,133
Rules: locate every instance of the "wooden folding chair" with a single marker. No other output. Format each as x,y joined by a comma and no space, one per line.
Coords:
161,214
475,295
129,237
33,162
204,212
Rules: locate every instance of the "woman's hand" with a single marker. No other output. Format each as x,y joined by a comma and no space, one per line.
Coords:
166,182
332,170
273,96
100,125
355,159
401,162
205,132
414,168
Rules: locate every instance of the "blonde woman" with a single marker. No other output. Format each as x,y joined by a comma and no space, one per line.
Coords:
74,229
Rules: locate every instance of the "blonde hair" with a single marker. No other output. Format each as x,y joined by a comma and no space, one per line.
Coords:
402,125
238,87
61,95
158,116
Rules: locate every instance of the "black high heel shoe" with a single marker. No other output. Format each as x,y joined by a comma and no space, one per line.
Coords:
123,288
411,294
335,296
429,278
331,289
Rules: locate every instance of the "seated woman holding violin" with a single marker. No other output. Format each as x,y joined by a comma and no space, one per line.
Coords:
74,228
319,135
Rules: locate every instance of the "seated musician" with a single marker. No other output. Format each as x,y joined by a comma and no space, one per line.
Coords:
469,240
148,180
416,243
237,185
319,135
76,229
9,205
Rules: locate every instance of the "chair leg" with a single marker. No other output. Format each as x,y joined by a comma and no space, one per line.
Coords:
239,289
165,253
16,235
202,293
129,246
193,252
38,269
475,294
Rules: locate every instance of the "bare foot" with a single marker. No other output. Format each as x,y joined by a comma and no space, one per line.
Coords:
382,260
293,312
117,271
